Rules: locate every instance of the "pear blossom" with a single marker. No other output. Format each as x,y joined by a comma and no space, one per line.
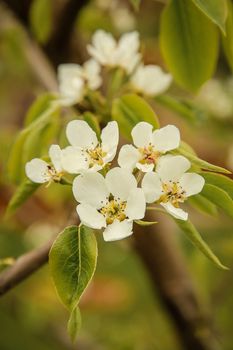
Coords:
108,52
75,79
39,171
150,80
149,146
86,152
111,203
172,185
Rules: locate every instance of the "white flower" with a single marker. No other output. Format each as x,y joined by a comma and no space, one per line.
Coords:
150,80
171,185
75,79
150,146
39,171
112,203
108,52
86,152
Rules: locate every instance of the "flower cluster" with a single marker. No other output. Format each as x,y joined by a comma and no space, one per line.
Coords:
76,81
148,172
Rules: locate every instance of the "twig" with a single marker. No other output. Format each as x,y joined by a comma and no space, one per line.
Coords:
24,266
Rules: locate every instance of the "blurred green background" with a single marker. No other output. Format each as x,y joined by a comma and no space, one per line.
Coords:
120,309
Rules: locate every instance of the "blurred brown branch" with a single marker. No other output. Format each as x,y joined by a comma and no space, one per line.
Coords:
24,266
158,249
59,44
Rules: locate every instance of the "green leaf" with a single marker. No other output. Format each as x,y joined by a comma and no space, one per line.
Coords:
39,106
227,40
131,109
93,122
219,180
74,324
187,38
219,197
15,161
41,19
72,261
200,162
22,193
136,4
203,204
194,236
185,109
145,223
215,10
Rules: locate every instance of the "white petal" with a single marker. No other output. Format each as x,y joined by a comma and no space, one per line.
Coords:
74,160
152,187
126,54
37,170
167,138
171,168
145,168
192,183
142,134
92,73
55,156
151,80
136,205
120,182
128,157
80,134
71,83
118,230
103,47
176,212
90,216
110,139
90,188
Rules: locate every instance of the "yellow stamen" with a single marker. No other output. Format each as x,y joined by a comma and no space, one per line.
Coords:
114,210
173,193
149,155
96,156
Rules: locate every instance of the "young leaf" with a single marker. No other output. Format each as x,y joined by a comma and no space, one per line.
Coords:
74,324
219,180
219,197
145,223
215,10
72,261
187,38
93,122
185,109
131,109
136,4
194,236
200,162
227,40
41,19
22,193
15,166
39,106
203,204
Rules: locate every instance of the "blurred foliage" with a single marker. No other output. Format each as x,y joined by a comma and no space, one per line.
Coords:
119,310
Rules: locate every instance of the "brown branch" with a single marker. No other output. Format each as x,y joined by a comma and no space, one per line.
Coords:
161,255
24,266
59,44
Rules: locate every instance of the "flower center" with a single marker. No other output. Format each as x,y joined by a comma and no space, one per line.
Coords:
53,174
114,210
173,193
96,156
149,155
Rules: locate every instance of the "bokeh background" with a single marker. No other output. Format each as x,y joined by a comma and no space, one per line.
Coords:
121,309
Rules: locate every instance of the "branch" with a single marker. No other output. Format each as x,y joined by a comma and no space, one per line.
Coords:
24,266
165,264
59,45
